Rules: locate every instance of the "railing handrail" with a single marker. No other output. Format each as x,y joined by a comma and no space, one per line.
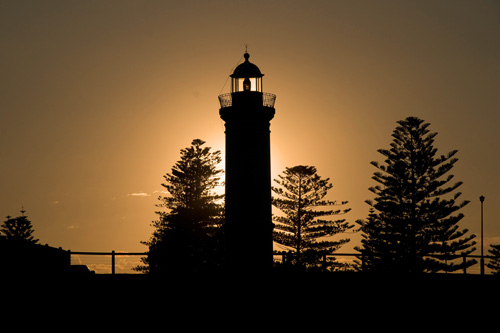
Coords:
113,254
362,256
452,256
110,253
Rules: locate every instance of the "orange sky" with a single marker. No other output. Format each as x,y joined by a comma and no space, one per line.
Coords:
98,97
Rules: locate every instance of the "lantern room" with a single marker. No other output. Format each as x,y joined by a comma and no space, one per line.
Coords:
246,77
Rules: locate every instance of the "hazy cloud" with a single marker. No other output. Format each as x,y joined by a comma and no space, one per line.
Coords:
162,192
139,194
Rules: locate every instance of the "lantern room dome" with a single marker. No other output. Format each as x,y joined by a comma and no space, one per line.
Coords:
246,69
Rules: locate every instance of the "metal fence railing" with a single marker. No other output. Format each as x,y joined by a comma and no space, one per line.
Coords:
108,262
125,262
354,261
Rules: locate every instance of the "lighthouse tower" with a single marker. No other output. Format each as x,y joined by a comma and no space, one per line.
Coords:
247,112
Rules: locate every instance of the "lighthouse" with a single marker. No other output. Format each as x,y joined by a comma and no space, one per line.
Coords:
247,112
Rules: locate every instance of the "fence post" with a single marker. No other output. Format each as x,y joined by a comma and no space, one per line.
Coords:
113,262
464,258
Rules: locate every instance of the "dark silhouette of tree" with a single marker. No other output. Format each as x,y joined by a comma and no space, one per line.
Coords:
187,237
411,227
18,229
304,226
494,263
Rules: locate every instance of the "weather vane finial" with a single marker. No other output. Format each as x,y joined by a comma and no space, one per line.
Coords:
246,48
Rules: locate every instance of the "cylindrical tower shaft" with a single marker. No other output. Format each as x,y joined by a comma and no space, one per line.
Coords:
248,221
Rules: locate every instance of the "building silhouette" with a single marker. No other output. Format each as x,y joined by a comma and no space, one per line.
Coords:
247,112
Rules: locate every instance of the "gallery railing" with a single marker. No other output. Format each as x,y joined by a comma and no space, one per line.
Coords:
268,100
226,100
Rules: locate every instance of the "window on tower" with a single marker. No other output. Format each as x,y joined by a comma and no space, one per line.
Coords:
246,84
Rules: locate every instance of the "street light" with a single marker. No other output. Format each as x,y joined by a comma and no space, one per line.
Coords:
481,198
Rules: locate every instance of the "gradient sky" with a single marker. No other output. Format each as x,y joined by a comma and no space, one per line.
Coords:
98,97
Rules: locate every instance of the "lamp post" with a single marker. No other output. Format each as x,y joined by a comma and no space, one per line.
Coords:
481,198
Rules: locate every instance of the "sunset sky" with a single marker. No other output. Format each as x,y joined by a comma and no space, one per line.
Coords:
98,97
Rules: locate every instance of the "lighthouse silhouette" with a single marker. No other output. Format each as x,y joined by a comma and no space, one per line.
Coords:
247,112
